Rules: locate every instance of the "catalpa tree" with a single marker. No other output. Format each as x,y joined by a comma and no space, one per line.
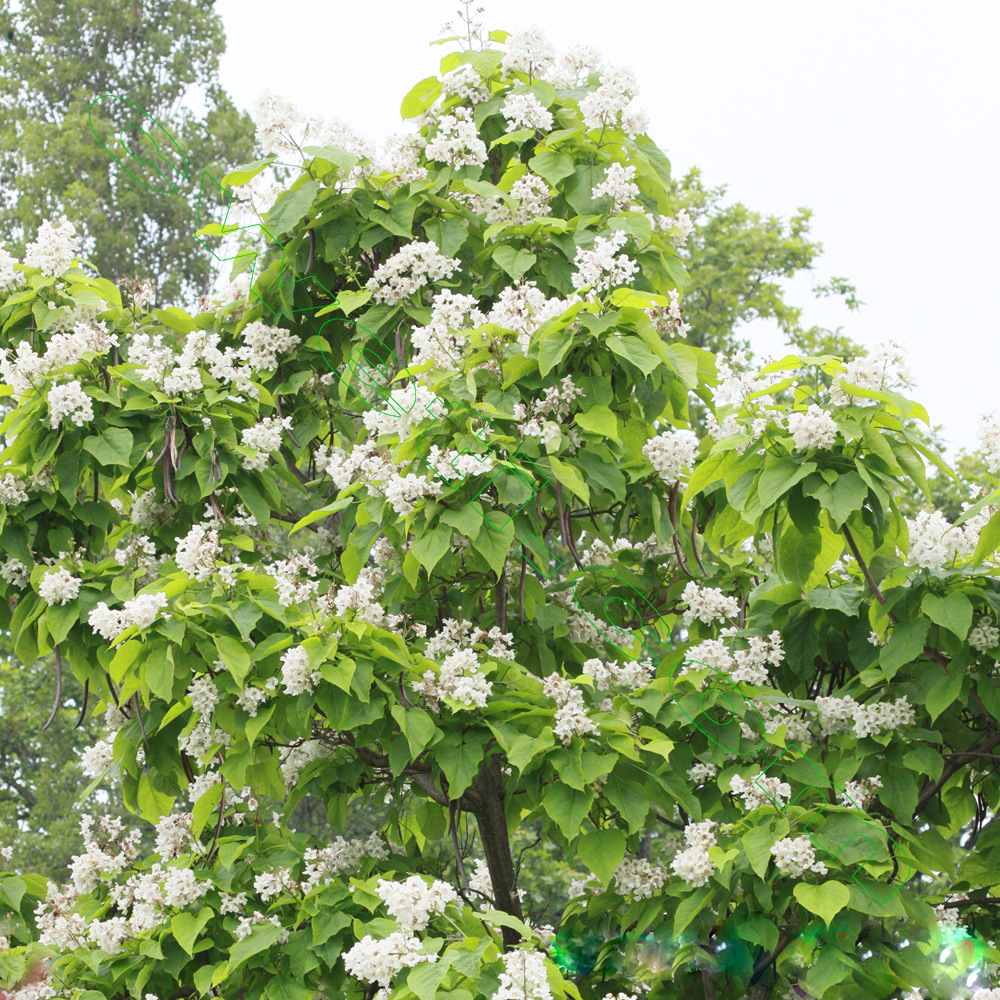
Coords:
417,522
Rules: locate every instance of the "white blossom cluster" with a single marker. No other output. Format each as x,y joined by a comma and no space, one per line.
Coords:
531,193
693,863
59,587
983,636
668,320
141,611
528,51
571,713
197,552
701,772
360,596
251,698
618,185
174,836
96,759
737,383
260,349
523,308
883,368
322,865
378,960
838,714
861,792
524,976
69,402
23,367
671,454
760,791
708,604
55,248
267,885
466,84
556,404
795,856
15,572
264,437
296,673
410,405
435,342
612,104
743,665
413,902
601,267
637,878
989,437
408,270
456,141
934,542
680,227
460,678
774,716
288,577
204,695
297,758
9,278
574,66
12,490
985,993
630,677
815,428
526,111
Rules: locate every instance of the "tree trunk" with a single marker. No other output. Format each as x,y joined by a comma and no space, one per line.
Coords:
492,822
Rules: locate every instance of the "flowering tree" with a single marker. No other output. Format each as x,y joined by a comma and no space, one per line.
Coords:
480,574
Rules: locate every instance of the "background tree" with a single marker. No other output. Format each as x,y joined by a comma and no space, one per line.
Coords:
55,58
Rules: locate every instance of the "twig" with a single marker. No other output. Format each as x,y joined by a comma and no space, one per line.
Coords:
953,766
83,708
869,579
694,545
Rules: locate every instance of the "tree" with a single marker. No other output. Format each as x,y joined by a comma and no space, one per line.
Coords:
153,53
498,589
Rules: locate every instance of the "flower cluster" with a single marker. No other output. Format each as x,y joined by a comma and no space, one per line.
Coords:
612,104
141,611
883,368
760,791
693,863
934,542
838,714
457,141
637,878
989,436
413,902
815,428
671,454
795,856
59,587
55,248
460,679
296,673
526,111
571,713
984,636
378,960
708,604
618,185
528,51
524,976
69,402
630,677
601,267
409,270
668,320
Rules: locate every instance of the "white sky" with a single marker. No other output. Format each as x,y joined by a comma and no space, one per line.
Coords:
879,115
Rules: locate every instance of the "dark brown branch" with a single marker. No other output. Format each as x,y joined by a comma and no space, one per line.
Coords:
83,707
869,579
955,764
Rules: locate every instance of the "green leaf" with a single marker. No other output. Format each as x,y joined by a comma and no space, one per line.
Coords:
845,495
235,655
757,842
552,166
460,765
602,851
416,725
989,539
568,807
904,645
944,691
158,671
826,900
187,926
689,907
570,478
431,546
153,804
515,262
421,96
112,447
953,612
598,420
779,477
424,978
796,553
291,208
245,172
262,936
493,543
633,349
60,618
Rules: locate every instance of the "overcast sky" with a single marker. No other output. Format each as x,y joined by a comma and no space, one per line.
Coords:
879,115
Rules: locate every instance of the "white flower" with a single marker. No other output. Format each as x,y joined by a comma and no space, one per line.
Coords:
754,796
934,542
204,695
796,856
377,961
693,863
197,551
636,877
815,428
528,51
618,186
95,760
599,267
408,270
59,587
526,111
524,976
984,636
989,435
612,103
296,674
276,119
457,141
9,278
55,248
708,604
671,454
413,902
69,401
881,369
